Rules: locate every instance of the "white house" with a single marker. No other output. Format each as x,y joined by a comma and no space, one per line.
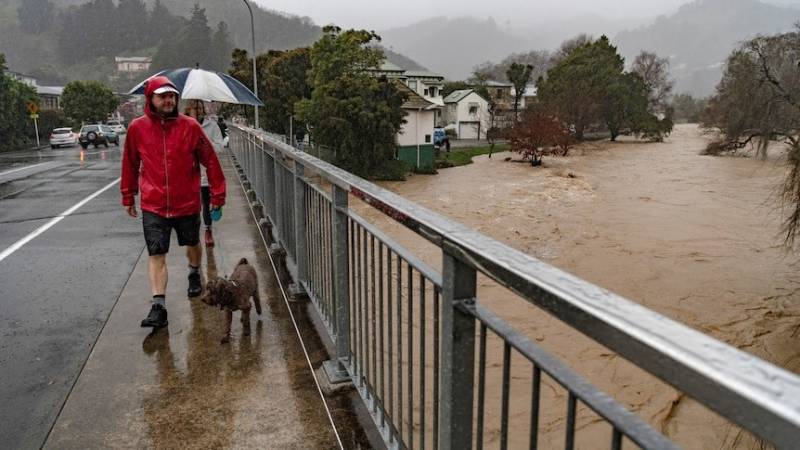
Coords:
429,85
528,97
415,139
467,113
132,64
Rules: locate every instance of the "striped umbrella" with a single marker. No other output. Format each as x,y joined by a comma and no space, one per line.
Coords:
205,85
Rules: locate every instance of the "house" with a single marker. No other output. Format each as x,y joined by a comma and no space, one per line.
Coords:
133,64
528,97
429,85
466,112
22,78
50,97
501,93
415,139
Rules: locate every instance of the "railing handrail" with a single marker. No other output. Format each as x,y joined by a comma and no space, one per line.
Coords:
754,393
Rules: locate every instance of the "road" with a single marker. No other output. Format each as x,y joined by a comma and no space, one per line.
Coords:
66,251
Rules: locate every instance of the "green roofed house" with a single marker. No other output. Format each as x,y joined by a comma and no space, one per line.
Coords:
415,139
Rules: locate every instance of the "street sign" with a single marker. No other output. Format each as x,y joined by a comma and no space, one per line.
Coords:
34,116
33,108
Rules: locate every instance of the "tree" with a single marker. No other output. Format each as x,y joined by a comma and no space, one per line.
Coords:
35,16
221,47
539,59
758,101
569,46
14,120
161,23
576,87
519,75
132,24
537,130
350,109
88,101
686,108
451,86
654,71
191,46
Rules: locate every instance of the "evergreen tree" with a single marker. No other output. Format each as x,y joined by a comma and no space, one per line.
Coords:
35,16
221,47
132,24
190,47
161,24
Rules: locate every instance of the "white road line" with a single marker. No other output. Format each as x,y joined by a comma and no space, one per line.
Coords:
22,168
17,245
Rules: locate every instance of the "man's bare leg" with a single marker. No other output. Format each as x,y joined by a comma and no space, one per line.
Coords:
157,271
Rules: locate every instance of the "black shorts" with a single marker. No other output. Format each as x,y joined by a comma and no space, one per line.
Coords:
158,230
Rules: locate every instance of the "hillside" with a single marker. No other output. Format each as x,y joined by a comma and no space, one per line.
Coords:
700,35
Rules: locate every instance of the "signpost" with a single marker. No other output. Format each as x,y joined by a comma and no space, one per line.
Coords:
33,108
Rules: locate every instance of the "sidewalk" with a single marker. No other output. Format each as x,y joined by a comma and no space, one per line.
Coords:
179,387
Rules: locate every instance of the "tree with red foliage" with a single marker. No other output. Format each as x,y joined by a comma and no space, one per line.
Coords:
539,132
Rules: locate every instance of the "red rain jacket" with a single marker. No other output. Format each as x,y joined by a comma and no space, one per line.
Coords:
162,160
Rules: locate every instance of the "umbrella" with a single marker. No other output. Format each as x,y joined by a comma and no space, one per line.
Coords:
205,85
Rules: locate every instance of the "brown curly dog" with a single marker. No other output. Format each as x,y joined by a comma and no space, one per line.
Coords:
233,294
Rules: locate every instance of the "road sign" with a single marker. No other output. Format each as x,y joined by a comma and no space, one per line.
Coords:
34,116
33,108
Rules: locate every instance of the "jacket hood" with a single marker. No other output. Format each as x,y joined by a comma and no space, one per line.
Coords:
153,84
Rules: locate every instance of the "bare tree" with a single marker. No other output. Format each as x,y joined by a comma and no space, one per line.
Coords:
758,101
654,71
568,46
539,132
519,75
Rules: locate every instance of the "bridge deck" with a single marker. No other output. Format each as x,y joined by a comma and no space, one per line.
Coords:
179,387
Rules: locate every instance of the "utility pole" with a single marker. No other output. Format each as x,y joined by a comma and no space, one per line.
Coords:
255,75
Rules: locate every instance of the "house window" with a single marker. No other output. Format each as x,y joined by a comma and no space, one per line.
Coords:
413,85
433,92
499,93
427,138
426,92
473,109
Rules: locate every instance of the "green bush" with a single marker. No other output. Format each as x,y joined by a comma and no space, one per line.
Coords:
393,170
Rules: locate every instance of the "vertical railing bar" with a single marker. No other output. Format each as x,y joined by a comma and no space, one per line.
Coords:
364,312
410,362
616,439
339,215
389,335
360,337
481,387
422,314
367,352
506,390
374,322
400,346
381,279
570,441
352,245
535,393
435,367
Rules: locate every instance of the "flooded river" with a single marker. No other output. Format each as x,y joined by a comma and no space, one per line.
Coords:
696,238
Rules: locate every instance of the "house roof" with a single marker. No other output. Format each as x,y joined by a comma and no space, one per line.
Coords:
414,100
387,66
422,74
457,96
143,59
50,90
530,91
492,83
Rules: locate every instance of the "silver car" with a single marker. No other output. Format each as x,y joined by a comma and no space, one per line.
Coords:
62,136
117,126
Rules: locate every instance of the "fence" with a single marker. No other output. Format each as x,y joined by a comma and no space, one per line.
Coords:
414,342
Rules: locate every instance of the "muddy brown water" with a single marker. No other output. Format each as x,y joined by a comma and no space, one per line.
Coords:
695,238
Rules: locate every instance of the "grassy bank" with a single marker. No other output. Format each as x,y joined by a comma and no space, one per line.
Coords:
462,157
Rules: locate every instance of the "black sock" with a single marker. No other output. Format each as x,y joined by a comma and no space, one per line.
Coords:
159,300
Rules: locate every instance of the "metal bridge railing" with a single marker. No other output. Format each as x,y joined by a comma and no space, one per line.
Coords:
414,341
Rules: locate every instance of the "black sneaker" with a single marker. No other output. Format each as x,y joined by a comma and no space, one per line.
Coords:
157,317
195,288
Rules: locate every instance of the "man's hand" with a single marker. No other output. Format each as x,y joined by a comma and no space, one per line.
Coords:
216,212
131,210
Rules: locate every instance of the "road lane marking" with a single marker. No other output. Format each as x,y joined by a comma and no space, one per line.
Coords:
21,168
17,245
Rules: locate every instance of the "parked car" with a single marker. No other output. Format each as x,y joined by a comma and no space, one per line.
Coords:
93,135
117,126
62,136
111,135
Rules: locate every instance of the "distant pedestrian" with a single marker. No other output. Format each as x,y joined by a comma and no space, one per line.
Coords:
161,161
196,109
447,144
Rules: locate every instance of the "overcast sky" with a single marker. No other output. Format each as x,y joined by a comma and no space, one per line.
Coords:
382,14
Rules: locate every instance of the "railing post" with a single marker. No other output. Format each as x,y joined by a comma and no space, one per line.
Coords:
458,354
269,185
300,227
336,369
277,193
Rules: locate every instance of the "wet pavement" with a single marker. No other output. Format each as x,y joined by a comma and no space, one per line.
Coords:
180,388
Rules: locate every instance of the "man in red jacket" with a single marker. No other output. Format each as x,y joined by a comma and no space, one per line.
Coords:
161,161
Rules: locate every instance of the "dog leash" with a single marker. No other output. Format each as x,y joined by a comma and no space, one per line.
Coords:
218,245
